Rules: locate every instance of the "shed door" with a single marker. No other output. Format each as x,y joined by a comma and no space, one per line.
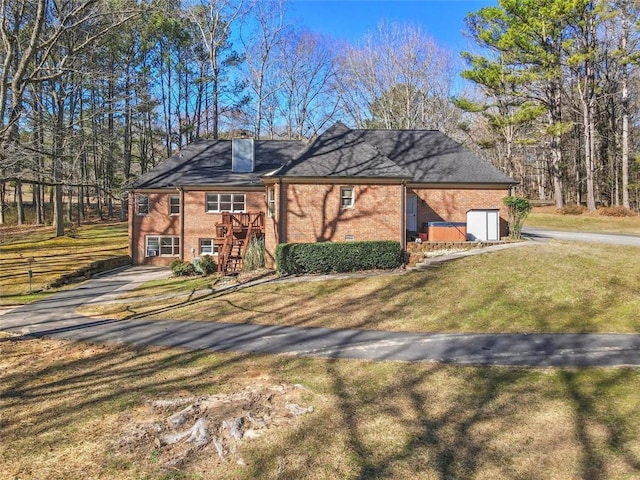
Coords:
493,226
412,213
483,225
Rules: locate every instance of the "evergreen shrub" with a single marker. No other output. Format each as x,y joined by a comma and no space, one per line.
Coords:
335,257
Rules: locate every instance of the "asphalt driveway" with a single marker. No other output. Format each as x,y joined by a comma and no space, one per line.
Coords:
593,237
55,317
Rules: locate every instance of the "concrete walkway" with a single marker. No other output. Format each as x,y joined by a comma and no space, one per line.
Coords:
55,317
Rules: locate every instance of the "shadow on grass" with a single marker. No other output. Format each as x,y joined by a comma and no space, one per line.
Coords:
375,420
394,305
462,433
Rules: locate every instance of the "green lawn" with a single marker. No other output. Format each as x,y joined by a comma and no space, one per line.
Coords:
49,257
547,218
66,409
548,287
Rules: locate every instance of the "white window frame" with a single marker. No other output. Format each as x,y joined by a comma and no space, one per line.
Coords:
351,197
215,202
209,244
157,246
142,199
173,198
271,202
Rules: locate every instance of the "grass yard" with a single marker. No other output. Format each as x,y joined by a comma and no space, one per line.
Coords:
547,217
76,410
50,257
64,407
547,287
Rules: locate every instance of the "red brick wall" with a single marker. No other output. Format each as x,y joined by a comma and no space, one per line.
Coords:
452,204
313,213
156,222
200,224
197,222
271,238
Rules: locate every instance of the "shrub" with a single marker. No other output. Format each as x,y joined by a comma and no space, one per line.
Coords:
519,208
206,265
571,210
254,256
616,212
328,257
182,269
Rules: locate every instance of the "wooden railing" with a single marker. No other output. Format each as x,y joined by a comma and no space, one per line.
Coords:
237,230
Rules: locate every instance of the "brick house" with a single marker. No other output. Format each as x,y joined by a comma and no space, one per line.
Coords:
345,185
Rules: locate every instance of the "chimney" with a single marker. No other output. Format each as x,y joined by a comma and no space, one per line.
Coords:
242,160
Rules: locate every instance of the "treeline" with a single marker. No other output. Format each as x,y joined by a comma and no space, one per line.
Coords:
96,92
557,83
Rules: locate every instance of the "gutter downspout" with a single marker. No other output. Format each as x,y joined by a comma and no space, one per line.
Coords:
182,245
280,227
403,216
131,224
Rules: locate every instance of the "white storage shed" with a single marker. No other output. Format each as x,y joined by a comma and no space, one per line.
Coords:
483,225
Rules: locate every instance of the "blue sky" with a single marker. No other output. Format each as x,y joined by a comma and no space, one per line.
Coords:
351,19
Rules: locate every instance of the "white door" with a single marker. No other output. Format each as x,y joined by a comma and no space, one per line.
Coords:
483,225
412,213
493,226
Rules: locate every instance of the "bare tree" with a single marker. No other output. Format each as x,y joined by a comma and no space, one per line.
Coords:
307,69
398,78
214,20
32,33
260,45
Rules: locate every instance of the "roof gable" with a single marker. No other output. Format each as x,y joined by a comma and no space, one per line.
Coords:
208,163
417,156
340,153
432,157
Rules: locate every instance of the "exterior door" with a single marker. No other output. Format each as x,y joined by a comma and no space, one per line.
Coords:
412,213
493,226
483,225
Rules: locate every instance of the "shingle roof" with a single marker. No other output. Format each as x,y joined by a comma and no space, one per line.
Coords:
432,157
421,156
341,152
208,163
418,156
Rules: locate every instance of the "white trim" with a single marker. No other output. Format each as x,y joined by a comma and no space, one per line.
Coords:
214,247
156,250
170,205
231,202
353,197
140,196
271,201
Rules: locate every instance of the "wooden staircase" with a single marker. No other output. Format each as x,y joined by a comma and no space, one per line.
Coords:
234,233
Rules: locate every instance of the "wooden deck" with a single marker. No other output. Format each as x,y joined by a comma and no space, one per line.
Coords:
233,234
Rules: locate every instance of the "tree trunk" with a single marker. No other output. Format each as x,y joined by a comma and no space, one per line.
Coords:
588,155
625,118
58,205
19,203
69,205
3,192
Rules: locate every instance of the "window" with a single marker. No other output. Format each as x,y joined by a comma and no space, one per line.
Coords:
162,246
208,247
271,202
225,202
142,204
174,205
346,197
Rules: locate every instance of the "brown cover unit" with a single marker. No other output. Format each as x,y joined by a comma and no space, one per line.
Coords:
447,232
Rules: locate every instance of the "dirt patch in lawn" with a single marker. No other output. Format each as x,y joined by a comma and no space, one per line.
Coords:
71,410
184,431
